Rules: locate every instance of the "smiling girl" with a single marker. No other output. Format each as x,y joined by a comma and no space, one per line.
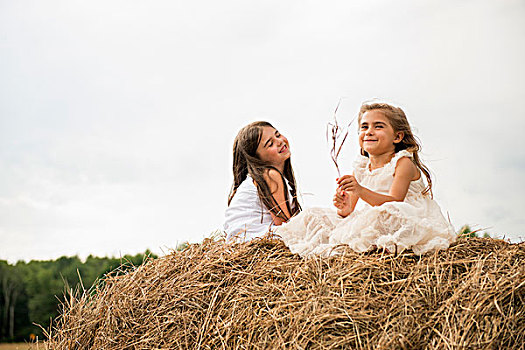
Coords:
398,211
264,191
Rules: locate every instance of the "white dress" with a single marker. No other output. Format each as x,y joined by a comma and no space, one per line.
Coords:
416,223
246,217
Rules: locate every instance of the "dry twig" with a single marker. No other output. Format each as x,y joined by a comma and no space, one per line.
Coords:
336,137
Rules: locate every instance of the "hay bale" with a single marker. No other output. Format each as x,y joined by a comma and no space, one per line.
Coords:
258,295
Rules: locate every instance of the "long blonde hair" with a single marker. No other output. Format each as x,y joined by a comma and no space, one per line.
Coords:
410,142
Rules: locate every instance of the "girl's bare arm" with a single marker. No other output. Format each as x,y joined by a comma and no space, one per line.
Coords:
405,172
277,187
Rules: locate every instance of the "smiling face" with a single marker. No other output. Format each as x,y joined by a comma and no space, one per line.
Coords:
273,148
376,135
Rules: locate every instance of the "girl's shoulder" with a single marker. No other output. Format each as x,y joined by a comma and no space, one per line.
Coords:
272,173
404,159
361,164
401,154
399,157
274,179
248,185
405,166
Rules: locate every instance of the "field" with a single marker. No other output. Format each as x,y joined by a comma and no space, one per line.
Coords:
19,346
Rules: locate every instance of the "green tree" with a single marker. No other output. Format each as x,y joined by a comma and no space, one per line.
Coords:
466,231
31,292
12,292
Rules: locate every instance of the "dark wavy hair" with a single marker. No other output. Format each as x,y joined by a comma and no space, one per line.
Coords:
410,142
245,161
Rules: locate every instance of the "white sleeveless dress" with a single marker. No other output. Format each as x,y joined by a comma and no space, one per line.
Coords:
416,223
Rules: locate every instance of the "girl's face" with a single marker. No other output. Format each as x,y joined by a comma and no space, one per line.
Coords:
376,135
273,148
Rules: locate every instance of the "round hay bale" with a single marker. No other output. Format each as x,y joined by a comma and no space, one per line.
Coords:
258,295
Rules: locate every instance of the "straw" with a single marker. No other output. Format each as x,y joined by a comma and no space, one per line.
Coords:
258,295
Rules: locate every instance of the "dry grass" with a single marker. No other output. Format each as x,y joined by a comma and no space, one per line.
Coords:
258,295
20,346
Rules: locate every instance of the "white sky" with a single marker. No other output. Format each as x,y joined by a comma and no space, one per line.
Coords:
117,118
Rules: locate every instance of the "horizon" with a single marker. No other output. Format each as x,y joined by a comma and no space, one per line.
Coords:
117,119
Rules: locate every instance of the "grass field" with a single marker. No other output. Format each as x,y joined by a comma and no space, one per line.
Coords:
19,346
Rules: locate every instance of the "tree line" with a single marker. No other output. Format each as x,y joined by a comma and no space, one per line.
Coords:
31,292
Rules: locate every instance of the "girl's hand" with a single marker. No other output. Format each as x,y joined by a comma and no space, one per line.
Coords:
340,199
343,202
406,172
348,183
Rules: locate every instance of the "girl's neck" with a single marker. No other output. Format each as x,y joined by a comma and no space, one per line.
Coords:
380,160
279,167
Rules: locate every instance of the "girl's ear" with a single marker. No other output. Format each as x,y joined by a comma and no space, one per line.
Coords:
399,137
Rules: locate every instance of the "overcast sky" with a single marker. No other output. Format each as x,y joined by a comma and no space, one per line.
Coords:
117,118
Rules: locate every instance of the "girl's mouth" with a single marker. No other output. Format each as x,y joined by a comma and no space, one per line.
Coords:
283,149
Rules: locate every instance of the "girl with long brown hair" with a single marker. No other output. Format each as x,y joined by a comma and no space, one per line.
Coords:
398,211
264,191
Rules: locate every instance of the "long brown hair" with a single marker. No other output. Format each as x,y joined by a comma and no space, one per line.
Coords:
245,161
410,142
